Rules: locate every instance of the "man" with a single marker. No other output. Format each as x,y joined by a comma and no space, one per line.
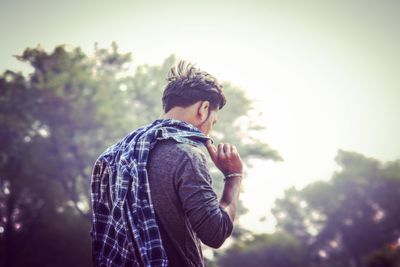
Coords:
152,199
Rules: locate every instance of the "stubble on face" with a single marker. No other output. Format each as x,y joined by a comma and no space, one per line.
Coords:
207,126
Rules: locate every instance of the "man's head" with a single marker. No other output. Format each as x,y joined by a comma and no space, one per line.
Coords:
193,95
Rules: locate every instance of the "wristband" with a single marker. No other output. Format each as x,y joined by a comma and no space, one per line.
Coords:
233,175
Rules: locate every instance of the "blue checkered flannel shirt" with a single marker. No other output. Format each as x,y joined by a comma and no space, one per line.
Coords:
124,229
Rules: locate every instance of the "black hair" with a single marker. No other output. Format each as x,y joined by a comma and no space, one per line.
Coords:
188,85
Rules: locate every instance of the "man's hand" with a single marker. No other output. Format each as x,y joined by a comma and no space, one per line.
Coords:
225,157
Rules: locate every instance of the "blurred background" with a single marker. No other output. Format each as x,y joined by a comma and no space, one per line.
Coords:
313,95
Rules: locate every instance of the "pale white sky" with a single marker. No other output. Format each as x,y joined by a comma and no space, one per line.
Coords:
325,74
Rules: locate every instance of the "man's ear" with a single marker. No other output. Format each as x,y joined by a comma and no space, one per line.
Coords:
203,110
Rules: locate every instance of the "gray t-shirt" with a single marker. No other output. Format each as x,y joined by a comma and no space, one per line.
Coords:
187,209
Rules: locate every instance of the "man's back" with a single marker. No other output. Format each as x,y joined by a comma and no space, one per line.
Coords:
187,209
147,167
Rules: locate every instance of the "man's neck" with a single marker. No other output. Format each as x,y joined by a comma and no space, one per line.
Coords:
178,113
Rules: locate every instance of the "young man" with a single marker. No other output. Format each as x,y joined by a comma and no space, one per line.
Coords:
152,199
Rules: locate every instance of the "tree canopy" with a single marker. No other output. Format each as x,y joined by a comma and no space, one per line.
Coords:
350,216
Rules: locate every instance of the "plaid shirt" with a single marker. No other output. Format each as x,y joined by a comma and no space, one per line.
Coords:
124,229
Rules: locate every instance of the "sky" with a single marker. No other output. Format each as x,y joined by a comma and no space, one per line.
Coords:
324,74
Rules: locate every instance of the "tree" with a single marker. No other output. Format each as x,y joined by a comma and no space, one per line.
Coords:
53,125
348,217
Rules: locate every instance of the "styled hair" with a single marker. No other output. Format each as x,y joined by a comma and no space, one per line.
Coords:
188,85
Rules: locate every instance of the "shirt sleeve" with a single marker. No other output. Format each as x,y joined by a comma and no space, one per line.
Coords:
200,203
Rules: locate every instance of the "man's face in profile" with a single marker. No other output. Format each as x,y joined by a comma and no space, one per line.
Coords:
207,126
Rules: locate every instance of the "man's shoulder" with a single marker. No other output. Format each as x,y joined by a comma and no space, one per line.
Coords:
184,149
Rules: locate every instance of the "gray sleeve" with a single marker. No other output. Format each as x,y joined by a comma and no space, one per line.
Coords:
200,203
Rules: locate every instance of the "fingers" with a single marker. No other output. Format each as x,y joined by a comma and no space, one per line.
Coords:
224,151
234,151
212,150
227,150
226,158
221,153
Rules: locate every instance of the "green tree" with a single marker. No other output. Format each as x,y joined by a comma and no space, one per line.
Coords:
348,217
53,125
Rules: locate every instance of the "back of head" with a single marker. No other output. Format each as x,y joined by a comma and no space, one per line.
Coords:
188,85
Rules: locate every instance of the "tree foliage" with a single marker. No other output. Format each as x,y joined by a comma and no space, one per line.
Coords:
348,217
